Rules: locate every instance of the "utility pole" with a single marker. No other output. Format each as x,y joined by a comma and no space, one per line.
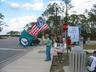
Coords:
65,25
66,5
66,13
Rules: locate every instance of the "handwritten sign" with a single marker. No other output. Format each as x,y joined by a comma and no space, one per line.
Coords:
73,32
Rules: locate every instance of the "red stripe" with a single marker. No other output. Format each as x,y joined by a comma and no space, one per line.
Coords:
35,30
35,27
44,27
32,29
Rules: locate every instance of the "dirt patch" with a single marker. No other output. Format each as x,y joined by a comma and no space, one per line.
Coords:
58,66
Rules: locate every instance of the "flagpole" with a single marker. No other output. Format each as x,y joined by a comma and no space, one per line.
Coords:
43,39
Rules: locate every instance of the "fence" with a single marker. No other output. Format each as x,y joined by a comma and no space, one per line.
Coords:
77,60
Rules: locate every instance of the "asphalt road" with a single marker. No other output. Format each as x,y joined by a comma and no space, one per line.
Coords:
10,50
10,43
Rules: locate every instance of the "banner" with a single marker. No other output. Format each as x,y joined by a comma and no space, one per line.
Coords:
26,39
73,32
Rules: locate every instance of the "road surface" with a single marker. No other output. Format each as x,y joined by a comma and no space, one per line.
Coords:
10,50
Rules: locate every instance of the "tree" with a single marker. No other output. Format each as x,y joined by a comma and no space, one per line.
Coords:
29,26
68,6
73,19
13,33
53,9
80,21
1,21
53,12
92,18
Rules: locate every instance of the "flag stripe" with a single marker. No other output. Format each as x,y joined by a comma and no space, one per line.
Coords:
35,30
45,27
38,27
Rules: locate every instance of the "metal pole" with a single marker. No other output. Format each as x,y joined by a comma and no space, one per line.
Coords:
66,22
65,35
66,13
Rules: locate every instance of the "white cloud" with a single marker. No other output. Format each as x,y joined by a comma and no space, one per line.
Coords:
13,5
18,24
27,5
38,5
81,5
35,5
21,22
38,0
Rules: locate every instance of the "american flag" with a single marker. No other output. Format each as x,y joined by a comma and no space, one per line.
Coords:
38,27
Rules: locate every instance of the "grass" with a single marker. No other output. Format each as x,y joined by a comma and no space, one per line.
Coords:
89,46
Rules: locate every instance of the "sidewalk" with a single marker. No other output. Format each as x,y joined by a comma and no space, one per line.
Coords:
33,61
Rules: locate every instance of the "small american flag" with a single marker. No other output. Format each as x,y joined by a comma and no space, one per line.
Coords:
38,27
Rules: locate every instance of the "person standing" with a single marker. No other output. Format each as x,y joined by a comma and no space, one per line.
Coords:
68,43
55,47
48,43
60,49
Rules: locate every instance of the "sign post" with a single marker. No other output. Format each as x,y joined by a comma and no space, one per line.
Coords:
65,28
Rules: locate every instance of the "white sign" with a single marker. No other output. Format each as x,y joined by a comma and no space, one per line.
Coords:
24,41
73,32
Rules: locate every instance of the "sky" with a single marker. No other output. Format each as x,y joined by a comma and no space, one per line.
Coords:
18,13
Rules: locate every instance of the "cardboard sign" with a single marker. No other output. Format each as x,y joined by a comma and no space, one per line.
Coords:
73,32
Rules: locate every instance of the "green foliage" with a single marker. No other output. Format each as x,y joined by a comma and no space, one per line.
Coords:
40,35
53,20
53,9
13,33
1,22
66,1
87,24
29,26
92,19
1,16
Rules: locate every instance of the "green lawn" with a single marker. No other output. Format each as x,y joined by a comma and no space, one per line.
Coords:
89,46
